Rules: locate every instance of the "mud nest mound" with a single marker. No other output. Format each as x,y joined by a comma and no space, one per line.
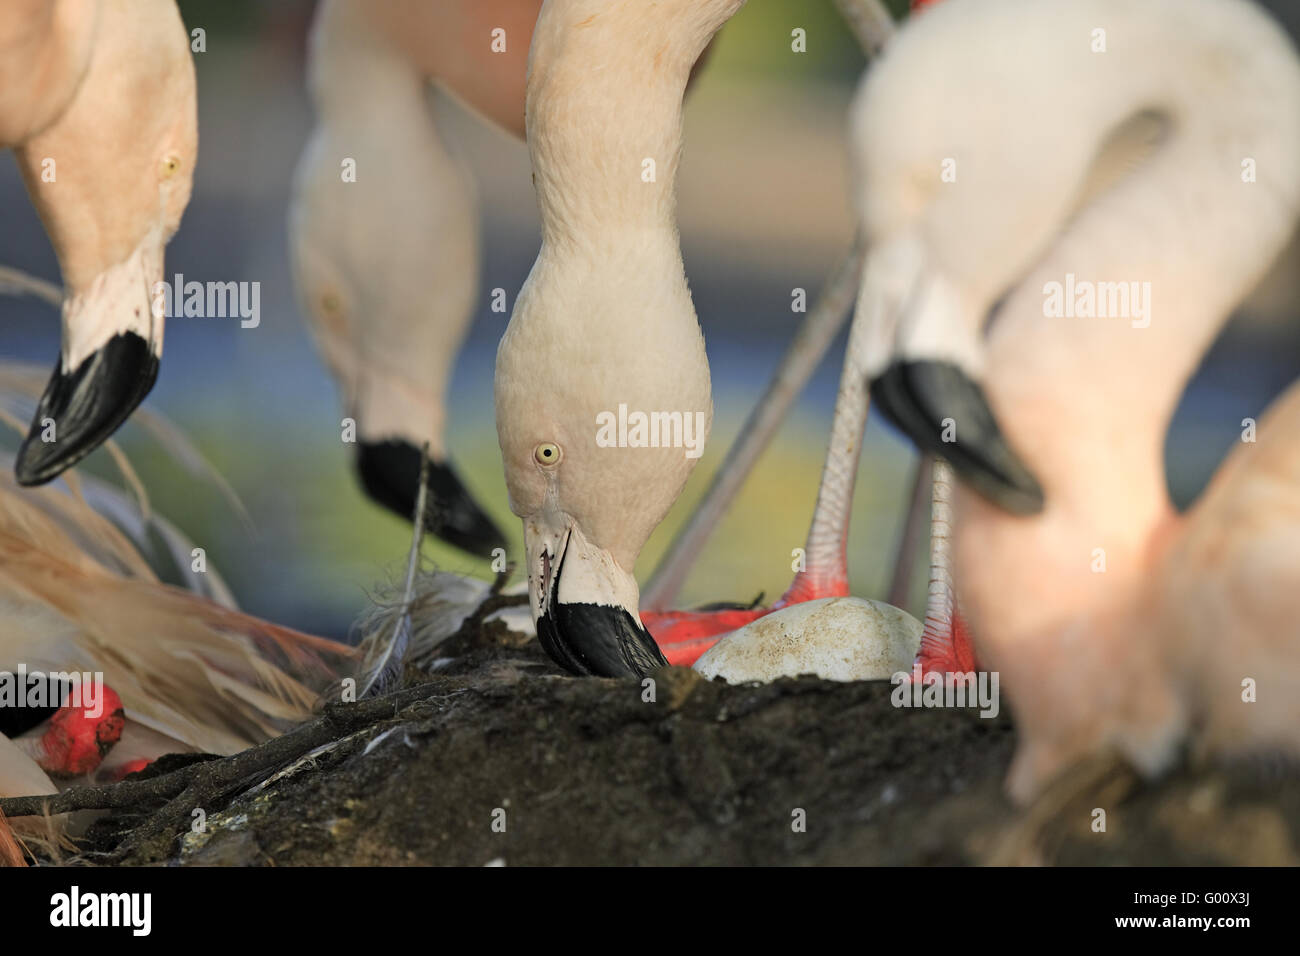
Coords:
499,758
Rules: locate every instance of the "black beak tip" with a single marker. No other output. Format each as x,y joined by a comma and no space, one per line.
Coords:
390,474
941,409
598,640
79,410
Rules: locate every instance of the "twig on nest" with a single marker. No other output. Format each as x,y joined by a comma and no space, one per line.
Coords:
205,784
502,579
491,604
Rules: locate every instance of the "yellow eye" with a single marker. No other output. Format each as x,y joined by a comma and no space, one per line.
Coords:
547,453
169,165
330,303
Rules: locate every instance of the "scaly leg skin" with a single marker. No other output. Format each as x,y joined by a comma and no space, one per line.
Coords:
946,646
684,635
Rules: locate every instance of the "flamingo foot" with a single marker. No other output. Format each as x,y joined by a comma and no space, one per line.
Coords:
946,647
130,767
684,636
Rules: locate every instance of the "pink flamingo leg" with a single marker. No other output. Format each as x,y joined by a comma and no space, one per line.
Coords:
684,635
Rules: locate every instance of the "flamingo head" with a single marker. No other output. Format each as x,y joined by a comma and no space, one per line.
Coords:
603,407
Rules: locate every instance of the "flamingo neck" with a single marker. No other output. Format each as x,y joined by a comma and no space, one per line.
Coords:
359,83
604,114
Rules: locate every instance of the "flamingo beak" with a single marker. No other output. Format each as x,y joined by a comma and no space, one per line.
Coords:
584,605
81,408
921,350
390,473
112,345
945,412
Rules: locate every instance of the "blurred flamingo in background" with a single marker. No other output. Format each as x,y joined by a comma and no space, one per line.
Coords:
1135,167
386,261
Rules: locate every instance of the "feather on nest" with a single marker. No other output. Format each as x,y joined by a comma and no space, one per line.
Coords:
407,625
78,594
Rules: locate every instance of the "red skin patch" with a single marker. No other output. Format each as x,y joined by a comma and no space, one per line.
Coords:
75,743
947,653
130,767
684,636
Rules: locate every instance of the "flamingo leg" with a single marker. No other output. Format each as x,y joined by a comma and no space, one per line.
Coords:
872,25
685,635
801,359
945,642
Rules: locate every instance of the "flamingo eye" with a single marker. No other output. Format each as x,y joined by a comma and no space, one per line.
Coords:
547,453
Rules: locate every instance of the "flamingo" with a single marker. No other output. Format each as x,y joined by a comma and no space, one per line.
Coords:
1173,159
387,265
604,319
97,101
1230,569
